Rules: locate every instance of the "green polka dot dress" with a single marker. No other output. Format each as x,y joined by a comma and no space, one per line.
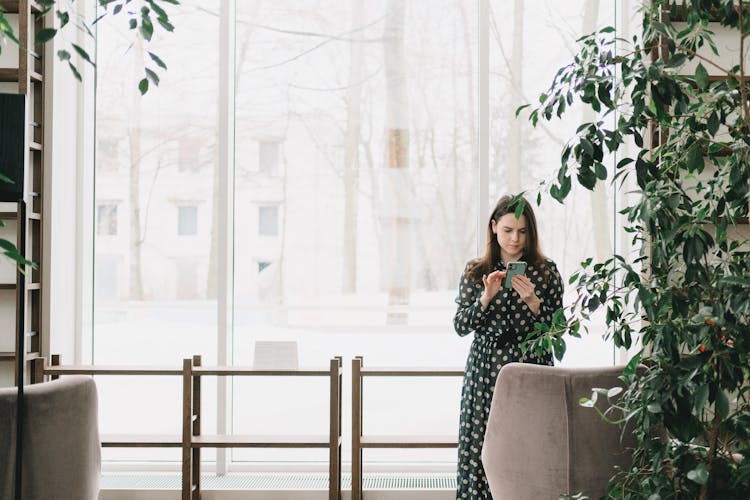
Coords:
498,332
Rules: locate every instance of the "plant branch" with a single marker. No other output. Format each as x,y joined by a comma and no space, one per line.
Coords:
708,61
712,439
743,88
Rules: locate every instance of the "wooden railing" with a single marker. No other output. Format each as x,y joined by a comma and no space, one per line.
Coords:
192,441
360,441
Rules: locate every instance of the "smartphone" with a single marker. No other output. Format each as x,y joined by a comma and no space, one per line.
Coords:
513,269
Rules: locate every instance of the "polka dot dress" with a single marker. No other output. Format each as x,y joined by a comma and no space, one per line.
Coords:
498,332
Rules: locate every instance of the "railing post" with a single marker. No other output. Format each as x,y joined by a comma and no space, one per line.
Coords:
334,433
55,361
196,452
187,428
37,370
356,428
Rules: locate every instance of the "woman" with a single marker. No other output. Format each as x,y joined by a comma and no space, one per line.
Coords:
500,319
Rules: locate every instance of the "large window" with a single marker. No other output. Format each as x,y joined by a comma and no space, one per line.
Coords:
355,171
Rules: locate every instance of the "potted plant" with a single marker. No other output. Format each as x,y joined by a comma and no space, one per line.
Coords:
685,298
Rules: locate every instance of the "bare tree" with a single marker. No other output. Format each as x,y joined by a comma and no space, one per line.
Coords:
598,196
516,127
351,154
134,193
396,222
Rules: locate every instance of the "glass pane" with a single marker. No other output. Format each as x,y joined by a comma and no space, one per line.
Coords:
372,110
529,41
187,220
155,296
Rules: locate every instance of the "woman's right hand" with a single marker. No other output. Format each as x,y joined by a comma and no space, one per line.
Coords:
492,284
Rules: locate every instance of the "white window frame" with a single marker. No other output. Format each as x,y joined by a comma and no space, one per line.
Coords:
225,195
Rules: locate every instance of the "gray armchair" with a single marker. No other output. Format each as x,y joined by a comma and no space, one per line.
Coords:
541,443
61,450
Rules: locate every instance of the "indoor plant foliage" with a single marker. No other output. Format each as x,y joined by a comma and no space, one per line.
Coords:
686,297
143,18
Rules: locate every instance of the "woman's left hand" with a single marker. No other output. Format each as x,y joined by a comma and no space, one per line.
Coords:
525,289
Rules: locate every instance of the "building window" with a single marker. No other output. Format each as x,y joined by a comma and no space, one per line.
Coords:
106,219
188,154
187,220
268,221
268,157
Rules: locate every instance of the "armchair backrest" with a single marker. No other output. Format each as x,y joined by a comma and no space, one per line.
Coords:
61,449
540,442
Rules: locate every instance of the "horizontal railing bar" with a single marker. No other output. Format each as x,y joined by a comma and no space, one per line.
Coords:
140,441
260,441
111,370
408,441
239,370
411,372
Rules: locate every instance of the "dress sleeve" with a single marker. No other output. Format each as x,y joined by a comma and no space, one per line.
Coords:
551,295
469,314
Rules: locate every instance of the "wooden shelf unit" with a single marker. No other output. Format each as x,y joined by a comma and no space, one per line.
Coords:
29,75
361,441
192,441
677,14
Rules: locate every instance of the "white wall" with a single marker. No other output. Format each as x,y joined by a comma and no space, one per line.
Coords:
68,121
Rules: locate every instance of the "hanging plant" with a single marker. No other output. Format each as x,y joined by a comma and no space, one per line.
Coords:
685,298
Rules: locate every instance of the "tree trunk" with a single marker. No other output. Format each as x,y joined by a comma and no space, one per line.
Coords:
516,127
134,193
599,212
351,155
395,206
213,251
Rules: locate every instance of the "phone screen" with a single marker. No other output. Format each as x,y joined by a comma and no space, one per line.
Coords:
513,269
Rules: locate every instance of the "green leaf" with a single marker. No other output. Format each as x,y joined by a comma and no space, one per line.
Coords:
165,24
63,55
587,147
654,407
632,364
7,29
143,86
614,391
736,280
699,474
156,8
713,123
700,397
158,60
147,27
75,72
600,170
676,61
152,76
84,55
721,404
558,347
64,18
701,77
519,208
44,36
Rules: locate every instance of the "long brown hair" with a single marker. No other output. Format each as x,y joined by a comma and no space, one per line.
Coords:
532,253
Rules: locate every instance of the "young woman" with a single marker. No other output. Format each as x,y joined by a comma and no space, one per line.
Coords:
500,319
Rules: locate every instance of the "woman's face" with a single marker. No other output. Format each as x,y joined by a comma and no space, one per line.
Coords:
511,236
